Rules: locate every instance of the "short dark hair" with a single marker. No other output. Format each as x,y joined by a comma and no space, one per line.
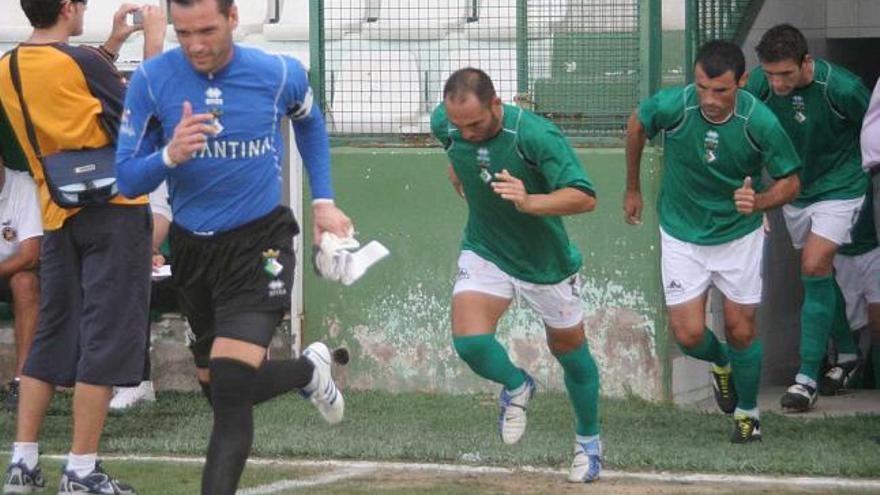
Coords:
717,57
222,5
42,14
469,81
782,42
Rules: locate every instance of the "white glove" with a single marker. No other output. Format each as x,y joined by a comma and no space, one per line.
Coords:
340,260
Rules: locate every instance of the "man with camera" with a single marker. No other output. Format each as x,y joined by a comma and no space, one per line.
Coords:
96,258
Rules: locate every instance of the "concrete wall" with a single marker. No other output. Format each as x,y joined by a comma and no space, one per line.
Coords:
396,320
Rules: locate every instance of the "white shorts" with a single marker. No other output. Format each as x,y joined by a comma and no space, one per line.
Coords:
832,219
559,305
733,267
859,280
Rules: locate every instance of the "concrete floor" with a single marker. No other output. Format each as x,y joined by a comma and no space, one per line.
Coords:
849,403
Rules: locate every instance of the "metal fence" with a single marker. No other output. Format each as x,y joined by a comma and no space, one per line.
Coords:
378,66
707,20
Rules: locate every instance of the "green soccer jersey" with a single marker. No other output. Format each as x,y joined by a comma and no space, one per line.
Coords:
704,163
864,235
528,247
824,120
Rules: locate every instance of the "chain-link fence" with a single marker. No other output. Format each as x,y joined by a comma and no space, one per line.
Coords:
583,63
717,19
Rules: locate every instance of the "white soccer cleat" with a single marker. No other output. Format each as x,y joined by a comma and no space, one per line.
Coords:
128,397
512,420
322,391
587,464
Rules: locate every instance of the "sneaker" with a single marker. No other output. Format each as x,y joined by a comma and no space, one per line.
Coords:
98,482
128,397
323,394
512,420
587,463
746,429
798,398
20,479
839,377
722,384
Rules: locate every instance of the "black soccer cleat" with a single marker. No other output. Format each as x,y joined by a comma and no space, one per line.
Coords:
839,377
746,429
722,385
798,398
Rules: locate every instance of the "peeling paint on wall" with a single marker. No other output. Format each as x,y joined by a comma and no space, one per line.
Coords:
405,344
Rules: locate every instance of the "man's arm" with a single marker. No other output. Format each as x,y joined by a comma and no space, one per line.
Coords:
26,258
871,134
153,27
565,201
636,137
784,190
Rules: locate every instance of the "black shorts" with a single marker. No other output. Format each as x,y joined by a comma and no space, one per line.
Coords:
235,284
94,298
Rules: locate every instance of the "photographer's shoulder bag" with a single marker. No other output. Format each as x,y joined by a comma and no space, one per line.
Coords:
75,178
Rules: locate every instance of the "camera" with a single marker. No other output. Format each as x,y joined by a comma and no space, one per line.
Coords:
136,18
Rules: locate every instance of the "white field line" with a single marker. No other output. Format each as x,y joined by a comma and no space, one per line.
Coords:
661,477
338,474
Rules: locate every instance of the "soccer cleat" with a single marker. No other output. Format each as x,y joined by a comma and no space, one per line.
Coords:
512,419
722,385
587,463
128,397
798,398
322,392
20,479
97,482
746,429
10,402
839,377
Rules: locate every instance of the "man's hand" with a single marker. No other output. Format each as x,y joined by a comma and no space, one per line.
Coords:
328,218
158,260
744,197
121,28
511,189
456,184
190,135
632,207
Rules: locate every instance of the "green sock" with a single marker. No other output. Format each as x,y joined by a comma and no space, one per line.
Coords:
841,333
817,316
875,363
709,349
488,358
746,366
582,383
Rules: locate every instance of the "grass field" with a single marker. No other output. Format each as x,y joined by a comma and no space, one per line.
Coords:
638,435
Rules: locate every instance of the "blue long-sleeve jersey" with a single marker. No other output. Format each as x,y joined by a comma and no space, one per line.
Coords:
236,178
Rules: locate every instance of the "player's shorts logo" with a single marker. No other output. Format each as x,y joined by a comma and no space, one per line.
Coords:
674,287
270,262
462,274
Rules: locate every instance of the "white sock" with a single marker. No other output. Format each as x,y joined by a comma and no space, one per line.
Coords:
82,465
805,380
752,413
27,452
586,438
518,390
846,358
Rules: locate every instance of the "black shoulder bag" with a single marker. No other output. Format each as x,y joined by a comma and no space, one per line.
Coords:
75,178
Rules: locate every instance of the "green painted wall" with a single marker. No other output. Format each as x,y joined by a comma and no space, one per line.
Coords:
396,319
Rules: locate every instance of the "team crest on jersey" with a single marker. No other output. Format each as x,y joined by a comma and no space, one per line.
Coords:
800,108
270,262
9,234
484,161
711,146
